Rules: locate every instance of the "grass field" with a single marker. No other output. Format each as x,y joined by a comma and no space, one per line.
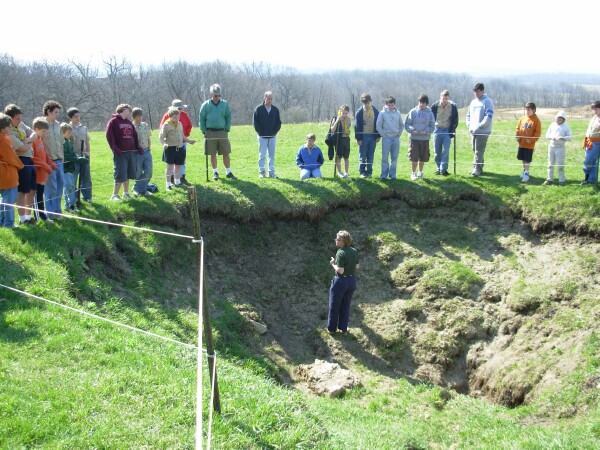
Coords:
68,381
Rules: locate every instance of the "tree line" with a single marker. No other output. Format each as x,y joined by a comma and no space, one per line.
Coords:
301,97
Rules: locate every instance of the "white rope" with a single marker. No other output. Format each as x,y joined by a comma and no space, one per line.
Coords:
95,316
199,354
212,398
86,219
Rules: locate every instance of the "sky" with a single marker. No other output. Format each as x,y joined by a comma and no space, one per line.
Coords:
477,38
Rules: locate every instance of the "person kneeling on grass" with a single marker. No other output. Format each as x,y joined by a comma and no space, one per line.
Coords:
310,159
172,138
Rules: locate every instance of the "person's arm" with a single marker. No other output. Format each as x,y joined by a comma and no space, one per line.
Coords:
277,121
256,122
339,270
299,160
161,136
202,119
228,118
568,135
320,158
110,138
379,124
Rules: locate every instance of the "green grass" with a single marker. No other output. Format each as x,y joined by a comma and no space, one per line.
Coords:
72,382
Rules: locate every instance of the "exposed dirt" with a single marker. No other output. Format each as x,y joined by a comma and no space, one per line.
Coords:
459,296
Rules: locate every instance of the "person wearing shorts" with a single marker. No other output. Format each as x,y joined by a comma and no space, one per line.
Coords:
419,123
529,130
215,123
21,138
123,141
172,137
341,127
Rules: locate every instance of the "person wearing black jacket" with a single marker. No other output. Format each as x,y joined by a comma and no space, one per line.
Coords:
267,124
446,121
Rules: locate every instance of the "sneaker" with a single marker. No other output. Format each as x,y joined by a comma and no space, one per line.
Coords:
420,174
363,175
413,176
261,175
184,181
169,187
115,198
562,183
346,175
583,183
137,194
525,177
547,183
445,173
216,176
232,176
126,196
475,173
48,220
437,172
271,175
73,209
147,193
340,174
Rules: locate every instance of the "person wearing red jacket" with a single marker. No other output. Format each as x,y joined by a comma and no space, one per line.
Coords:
187,130
10,164
44,166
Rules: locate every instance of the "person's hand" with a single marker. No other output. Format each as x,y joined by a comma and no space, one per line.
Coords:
191,141
140,151
118,152
359,142
332,261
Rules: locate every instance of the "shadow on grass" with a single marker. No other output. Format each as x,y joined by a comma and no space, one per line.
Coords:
12,276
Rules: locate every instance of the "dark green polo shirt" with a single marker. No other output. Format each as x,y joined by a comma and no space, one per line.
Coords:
347,257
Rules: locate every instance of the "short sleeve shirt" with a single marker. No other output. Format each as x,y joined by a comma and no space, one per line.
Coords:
17,137
347,257
144,133
79,135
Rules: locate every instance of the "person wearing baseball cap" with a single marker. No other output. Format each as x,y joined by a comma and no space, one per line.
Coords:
215,123
558,133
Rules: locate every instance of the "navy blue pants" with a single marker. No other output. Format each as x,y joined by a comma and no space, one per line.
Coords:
340,297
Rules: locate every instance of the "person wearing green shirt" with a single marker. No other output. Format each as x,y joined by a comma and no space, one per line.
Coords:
343,284
215,123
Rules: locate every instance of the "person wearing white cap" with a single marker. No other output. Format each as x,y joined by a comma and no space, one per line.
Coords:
187,130
558,133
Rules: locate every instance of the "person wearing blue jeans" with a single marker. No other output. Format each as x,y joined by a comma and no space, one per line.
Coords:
591,144
310,159
144,160
343,284
54,144
445,113
7,211
267,123
81,147
366,135
390,126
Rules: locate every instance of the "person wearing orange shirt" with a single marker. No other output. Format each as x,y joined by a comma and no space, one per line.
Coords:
10,164
529,130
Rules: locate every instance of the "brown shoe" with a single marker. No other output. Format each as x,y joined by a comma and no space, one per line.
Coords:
184,181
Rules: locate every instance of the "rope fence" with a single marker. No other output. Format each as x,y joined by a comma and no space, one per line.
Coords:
201,352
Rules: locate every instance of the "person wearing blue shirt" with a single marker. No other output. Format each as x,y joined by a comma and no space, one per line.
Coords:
310,159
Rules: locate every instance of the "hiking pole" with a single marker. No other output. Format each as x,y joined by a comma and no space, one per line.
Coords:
206,167
454,153
79,180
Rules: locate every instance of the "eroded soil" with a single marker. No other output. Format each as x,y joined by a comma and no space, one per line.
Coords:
455,296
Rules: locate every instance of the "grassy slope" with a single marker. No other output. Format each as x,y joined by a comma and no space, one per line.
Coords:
70,381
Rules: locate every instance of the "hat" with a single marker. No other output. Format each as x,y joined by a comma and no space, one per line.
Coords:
215,89
562,114
178,104
596,104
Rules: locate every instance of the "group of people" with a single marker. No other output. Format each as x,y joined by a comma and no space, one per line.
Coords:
41,165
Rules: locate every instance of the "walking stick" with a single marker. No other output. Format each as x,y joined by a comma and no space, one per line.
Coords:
454,153
79,180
